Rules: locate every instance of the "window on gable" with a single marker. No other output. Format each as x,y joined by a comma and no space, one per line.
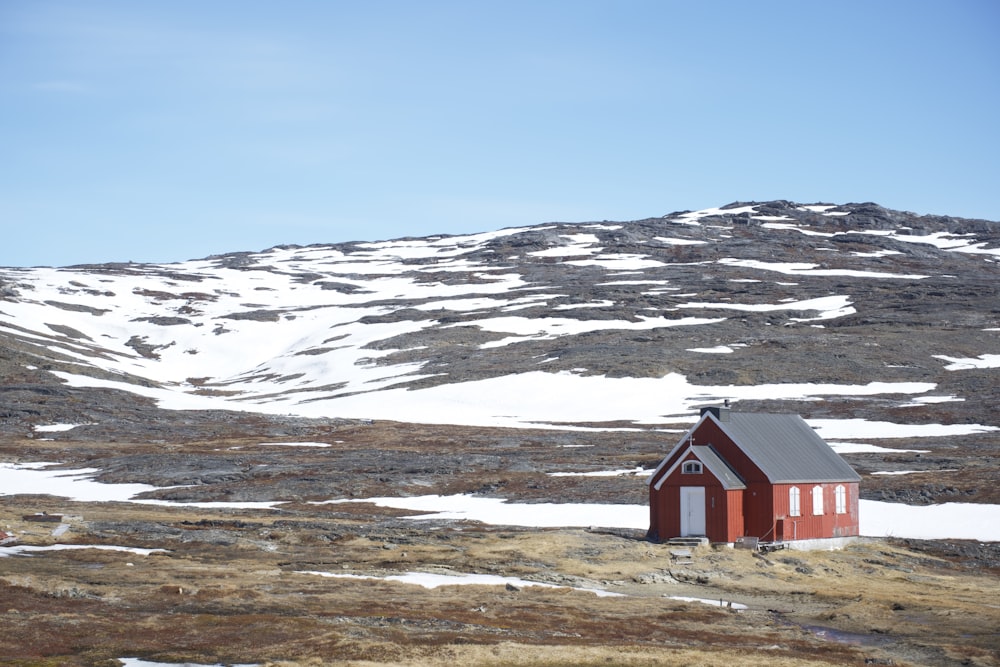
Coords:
841,496
817,500
793,502
691,468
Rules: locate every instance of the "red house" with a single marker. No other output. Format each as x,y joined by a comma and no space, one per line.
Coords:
768,476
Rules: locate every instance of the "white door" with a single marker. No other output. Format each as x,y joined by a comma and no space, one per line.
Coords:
692,510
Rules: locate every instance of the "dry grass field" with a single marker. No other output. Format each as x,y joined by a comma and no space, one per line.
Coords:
239,585
232,587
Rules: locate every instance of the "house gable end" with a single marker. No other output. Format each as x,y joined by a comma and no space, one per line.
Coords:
656,475
723,473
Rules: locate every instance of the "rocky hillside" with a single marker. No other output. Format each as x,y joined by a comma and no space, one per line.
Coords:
850,311
224,442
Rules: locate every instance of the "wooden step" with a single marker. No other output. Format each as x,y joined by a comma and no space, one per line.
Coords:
689,542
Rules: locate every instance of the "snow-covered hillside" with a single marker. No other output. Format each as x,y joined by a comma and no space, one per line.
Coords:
521,326
380,330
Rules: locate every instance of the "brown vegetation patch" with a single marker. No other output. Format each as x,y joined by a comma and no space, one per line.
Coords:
231,588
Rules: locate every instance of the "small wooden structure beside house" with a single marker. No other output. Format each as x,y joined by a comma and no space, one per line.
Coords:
764,476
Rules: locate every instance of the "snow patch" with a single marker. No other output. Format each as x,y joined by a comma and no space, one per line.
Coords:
78,485
499,511
715,603
637,471
138,662
828,307
55,428
963,364
23,549
804,269
434,580
792,227
862,428
864,448
949,521
671,241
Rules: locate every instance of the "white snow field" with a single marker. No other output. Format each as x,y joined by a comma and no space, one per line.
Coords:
951,520
525,400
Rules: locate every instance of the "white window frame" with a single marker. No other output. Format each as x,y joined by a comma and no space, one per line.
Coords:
817,494
794,506
691,468
841,497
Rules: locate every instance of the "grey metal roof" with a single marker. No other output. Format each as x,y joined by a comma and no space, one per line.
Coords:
786,448
718,467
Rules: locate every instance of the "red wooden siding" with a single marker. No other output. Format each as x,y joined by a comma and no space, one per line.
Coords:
760,510
808,526
757,515
723,509
735,520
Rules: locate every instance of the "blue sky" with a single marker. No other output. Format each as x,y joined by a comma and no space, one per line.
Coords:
165,131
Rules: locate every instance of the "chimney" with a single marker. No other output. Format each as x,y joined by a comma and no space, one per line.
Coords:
720,412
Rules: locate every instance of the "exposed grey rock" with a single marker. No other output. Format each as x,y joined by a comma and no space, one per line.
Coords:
164,321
